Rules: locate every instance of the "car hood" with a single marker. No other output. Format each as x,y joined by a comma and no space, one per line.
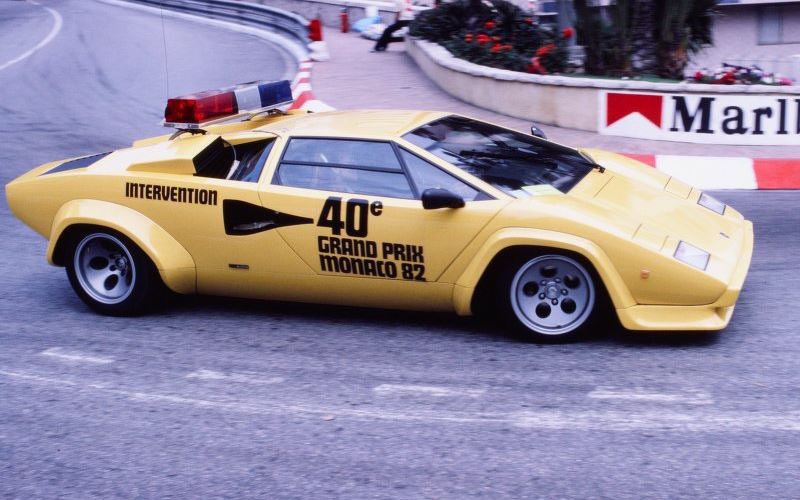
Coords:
660,211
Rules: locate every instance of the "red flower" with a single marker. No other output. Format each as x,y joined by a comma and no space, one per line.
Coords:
468,37
483,39
489,25
528,21
506,47
728,78
545,49
698,76
496,48
567,32
536,67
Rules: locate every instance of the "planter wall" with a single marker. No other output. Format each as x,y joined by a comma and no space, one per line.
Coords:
685,112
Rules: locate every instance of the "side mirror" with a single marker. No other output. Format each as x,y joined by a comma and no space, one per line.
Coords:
536,131
440,198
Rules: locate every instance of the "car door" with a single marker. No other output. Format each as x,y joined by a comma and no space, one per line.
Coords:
360,224
220,222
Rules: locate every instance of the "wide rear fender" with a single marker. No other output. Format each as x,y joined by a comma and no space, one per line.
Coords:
174,264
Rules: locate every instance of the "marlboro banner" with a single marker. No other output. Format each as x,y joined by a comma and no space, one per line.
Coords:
710,119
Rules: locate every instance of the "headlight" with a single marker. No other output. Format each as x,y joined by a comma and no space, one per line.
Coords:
690,254
711,203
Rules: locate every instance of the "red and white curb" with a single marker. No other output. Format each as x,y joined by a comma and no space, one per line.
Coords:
721,172
301,91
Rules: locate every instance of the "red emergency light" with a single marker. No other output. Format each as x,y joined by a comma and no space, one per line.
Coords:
194,110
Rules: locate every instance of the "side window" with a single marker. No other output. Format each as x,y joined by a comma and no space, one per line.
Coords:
250,160
342,165
426,175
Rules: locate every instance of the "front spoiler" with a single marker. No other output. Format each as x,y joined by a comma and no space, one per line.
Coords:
687,318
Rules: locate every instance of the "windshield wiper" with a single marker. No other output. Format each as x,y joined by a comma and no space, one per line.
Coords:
593,164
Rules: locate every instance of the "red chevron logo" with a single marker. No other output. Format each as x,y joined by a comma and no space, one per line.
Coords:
618,106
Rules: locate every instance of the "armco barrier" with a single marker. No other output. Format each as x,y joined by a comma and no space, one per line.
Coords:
245,13
256,19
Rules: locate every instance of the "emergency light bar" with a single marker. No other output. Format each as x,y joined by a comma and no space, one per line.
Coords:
196,110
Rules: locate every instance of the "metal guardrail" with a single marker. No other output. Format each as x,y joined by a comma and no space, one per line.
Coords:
244,13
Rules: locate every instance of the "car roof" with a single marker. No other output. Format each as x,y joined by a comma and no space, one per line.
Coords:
371,124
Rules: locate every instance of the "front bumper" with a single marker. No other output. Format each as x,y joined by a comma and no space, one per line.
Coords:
691,318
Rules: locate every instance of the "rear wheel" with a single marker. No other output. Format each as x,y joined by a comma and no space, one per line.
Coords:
111,274
549,298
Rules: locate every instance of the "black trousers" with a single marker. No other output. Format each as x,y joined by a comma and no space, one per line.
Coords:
387,38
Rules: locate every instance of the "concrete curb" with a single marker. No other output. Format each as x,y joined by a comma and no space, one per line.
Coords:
302,93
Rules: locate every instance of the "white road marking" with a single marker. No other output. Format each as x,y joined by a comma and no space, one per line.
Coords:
697,420
428,390
643,395
37,378
661,420
76,356
247,378
57,23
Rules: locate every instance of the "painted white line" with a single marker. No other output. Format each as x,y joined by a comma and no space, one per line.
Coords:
710,172
246,378
697,420
57,23
643,395
428,390
37,378
75,356
663,420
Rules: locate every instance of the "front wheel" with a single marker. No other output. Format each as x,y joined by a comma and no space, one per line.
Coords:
112,275
549,297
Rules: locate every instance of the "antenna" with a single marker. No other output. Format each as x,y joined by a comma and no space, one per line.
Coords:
166,62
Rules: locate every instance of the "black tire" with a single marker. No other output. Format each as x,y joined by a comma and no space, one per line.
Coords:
111,274
548,297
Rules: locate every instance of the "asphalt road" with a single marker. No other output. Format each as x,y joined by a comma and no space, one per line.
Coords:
217,398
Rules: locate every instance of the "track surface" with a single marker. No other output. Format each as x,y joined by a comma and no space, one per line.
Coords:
239,399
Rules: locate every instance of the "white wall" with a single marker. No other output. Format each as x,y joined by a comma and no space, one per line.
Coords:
736,41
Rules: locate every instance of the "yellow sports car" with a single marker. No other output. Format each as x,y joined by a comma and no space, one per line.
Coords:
412,210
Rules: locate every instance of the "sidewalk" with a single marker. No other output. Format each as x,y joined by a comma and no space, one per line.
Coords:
355,78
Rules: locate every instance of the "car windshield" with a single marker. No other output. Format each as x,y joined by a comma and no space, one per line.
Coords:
511,161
